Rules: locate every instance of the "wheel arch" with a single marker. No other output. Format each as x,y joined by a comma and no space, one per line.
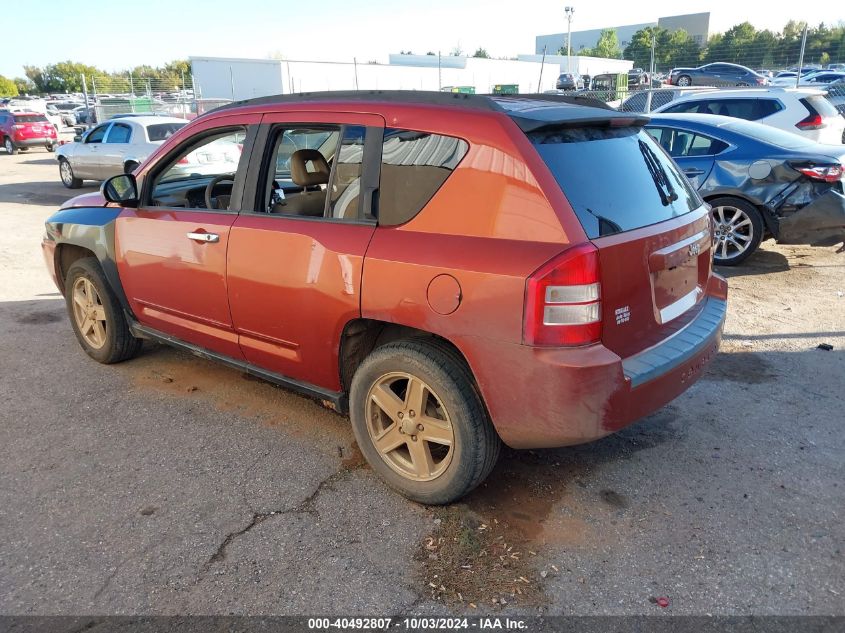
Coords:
361,336
86,232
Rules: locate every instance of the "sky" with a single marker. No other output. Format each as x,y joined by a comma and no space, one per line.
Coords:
115,35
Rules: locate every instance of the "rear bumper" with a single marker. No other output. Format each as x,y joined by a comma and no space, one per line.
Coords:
821,220
35,142
543,398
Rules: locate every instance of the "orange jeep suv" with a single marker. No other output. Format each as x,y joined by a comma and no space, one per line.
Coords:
454,271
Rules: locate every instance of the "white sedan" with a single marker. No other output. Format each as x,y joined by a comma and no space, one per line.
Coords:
114,147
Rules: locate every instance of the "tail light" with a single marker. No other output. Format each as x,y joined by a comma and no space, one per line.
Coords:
825,173
563,300
811,122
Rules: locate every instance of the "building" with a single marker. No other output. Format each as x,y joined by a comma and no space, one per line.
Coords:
235,79
696,24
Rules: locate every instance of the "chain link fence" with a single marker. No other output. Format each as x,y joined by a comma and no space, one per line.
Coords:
112,95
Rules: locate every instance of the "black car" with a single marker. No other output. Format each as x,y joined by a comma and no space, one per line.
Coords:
718,74
759,180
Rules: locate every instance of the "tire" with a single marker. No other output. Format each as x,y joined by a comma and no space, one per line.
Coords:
50,147
453,411
66,174
684,80
738,230
88,298
10,147
129,166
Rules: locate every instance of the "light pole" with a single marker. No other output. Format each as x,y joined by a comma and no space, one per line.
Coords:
569,13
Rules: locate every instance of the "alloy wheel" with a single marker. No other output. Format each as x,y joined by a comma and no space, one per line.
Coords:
734,232
89,313
64,169
9,147
409,426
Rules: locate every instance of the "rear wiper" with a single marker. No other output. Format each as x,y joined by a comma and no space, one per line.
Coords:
658,174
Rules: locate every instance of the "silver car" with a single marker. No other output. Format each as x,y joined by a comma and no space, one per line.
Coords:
114,147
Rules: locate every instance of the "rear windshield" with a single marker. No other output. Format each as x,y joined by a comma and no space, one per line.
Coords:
769,134
616,179
822,105
30,118
163,131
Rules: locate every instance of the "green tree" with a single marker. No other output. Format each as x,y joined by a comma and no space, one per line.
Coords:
607,46
481,53
24,85
7,87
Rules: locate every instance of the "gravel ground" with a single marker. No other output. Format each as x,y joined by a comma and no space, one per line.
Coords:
170,485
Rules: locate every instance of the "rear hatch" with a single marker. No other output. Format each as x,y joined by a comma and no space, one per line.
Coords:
650,227
29,126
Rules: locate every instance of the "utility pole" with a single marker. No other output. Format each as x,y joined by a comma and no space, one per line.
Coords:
570,11
542,65
650,73
439,75
801,57
355,62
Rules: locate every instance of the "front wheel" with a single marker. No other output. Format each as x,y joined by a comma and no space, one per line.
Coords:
684,80
738,229
66,174
96,316
420,422
10,147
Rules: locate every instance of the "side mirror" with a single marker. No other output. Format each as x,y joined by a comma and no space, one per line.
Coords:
122,189
77,138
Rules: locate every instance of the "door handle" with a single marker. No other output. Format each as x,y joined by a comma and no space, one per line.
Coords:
693,172
204,237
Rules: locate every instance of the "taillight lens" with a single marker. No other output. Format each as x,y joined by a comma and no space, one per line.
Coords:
811,122
563,300
825,173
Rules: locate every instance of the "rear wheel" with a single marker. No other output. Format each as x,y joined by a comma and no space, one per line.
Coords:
10,147
50,147
96,316
684,80
66,174
420,422
738,230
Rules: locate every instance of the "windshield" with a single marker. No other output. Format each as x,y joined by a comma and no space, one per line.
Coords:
616,179
768,134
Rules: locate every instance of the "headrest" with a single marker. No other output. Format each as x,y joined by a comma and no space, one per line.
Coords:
308,167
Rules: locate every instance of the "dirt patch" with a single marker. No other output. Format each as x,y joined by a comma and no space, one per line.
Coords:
182,375
745,367
485,550
39,317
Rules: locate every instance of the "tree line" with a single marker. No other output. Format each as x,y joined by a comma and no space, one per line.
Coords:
66,76
741,44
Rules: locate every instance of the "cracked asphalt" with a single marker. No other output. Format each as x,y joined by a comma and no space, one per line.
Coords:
169,485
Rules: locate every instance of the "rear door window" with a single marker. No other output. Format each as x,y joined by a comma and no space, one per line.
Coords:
414,165
683,143
616,179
